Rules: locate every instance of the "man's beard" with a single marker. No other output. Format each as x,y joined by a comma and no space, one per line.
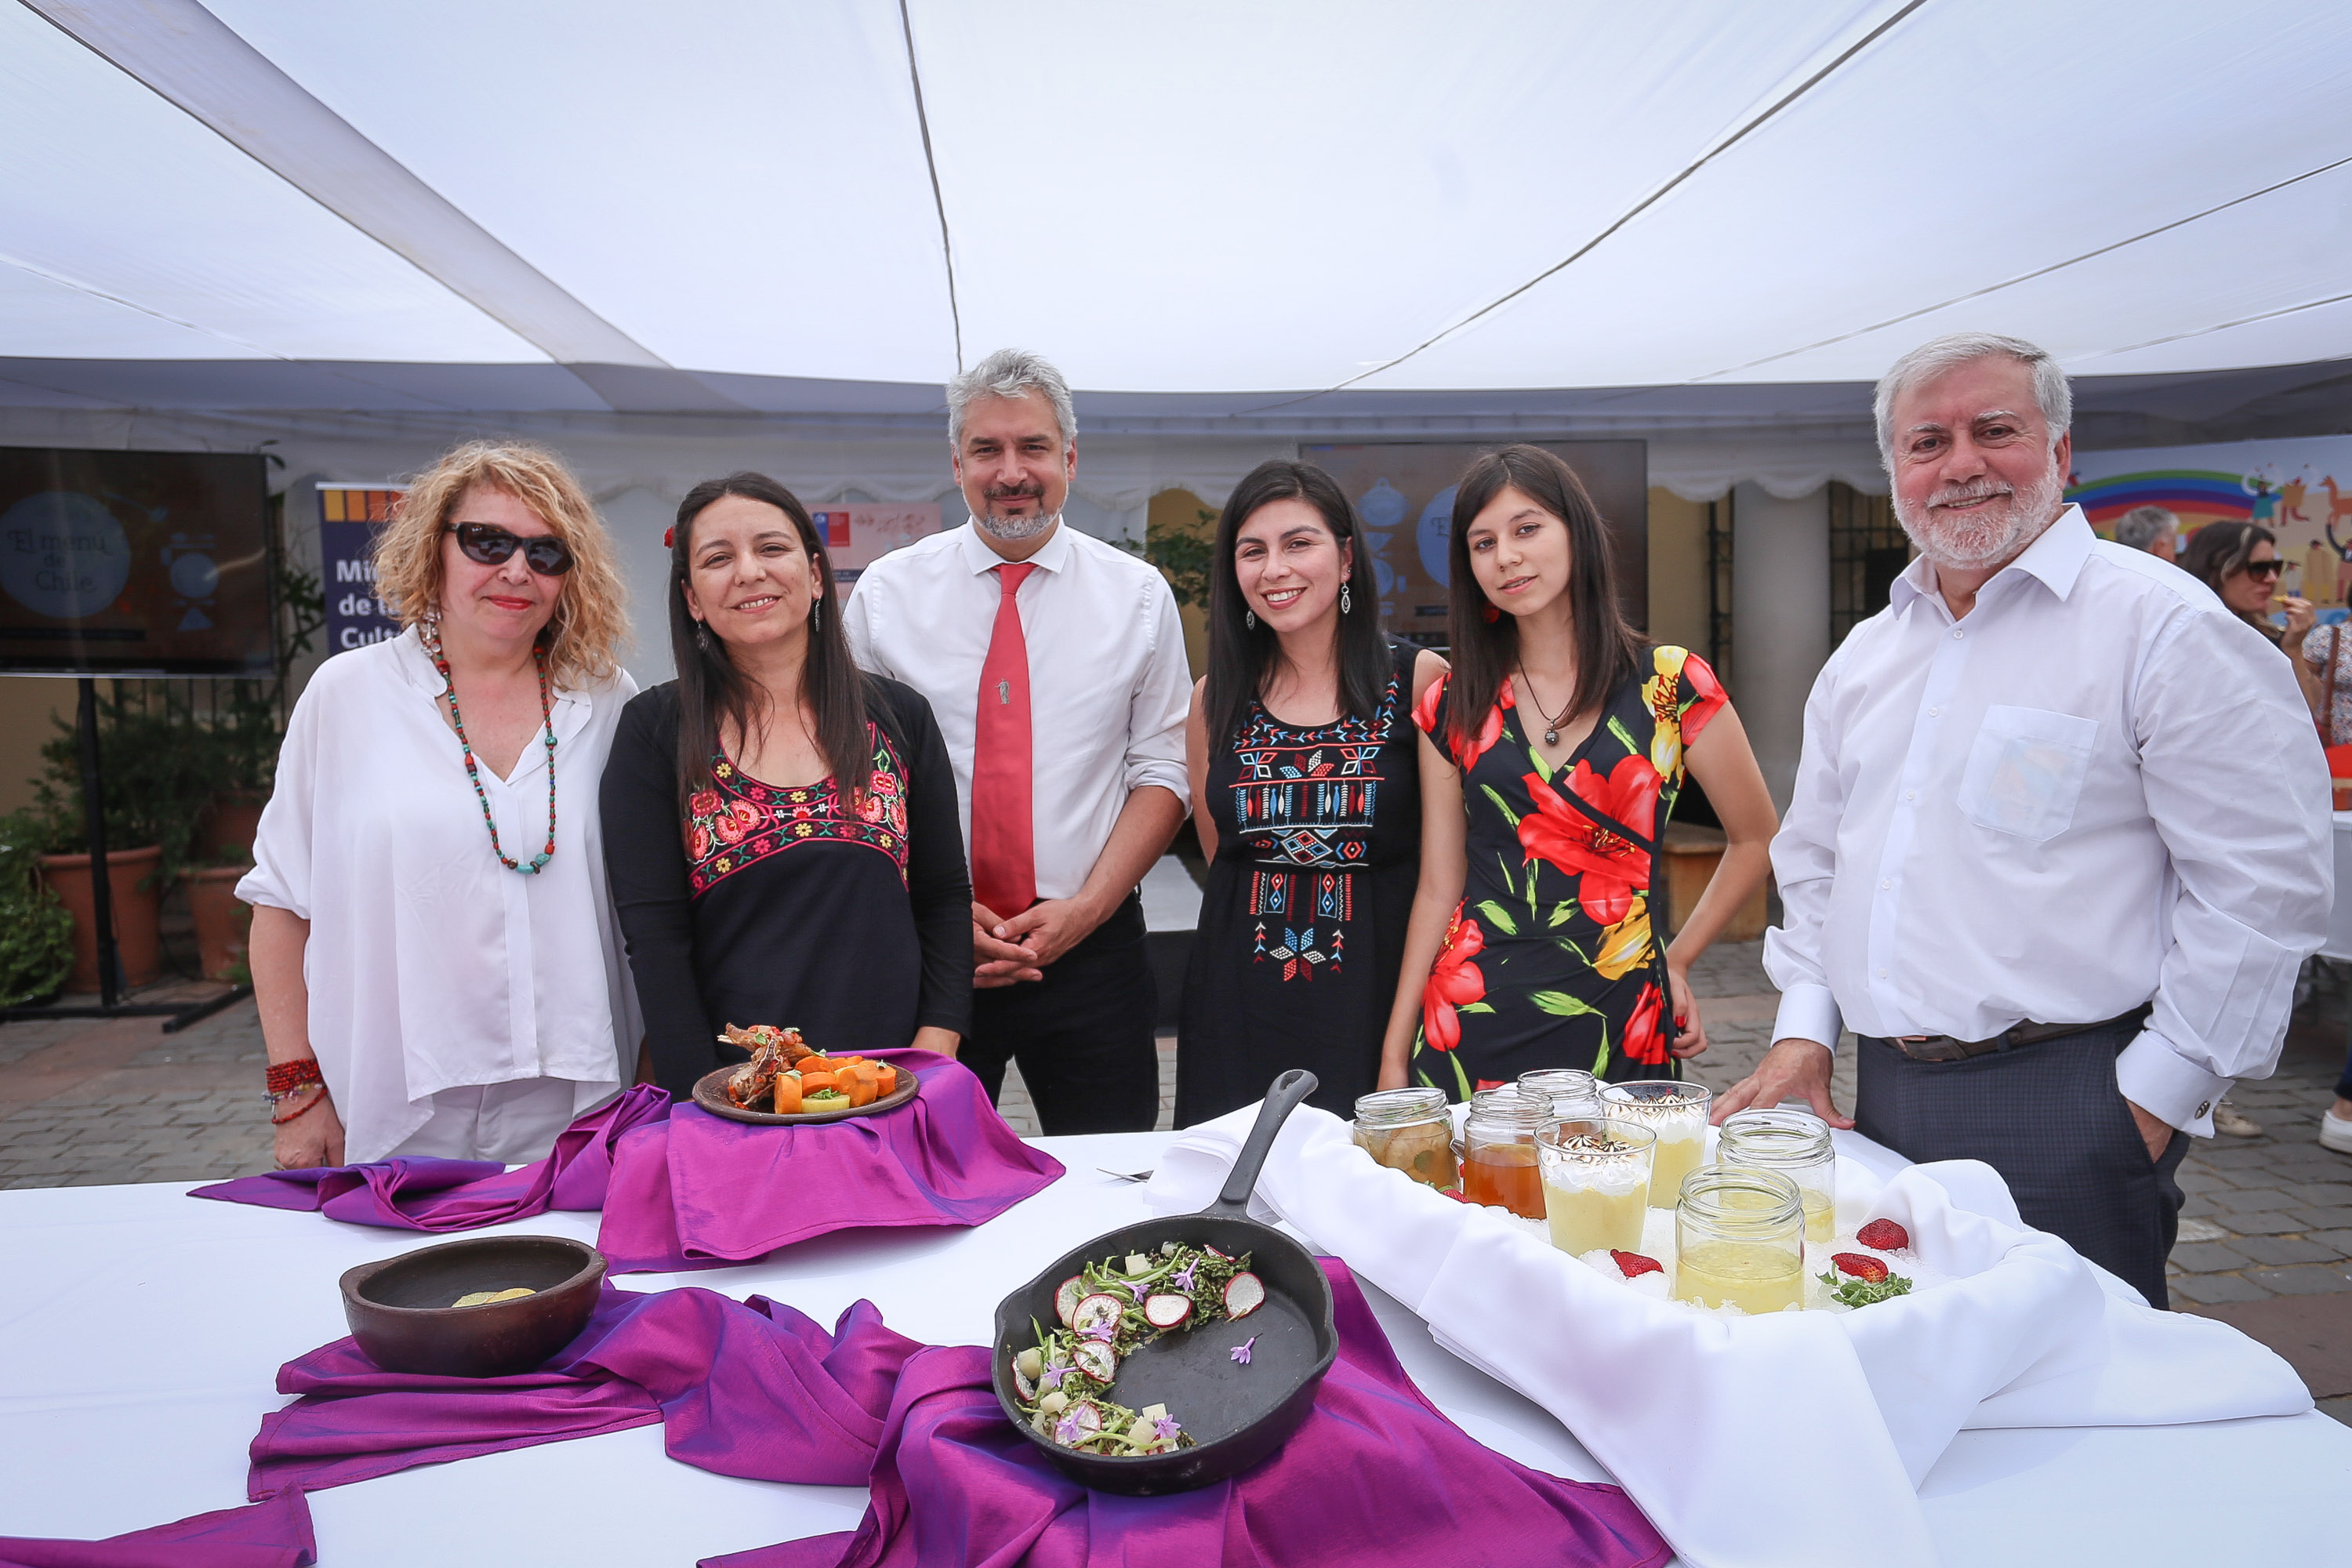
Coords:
1988,535
1014,529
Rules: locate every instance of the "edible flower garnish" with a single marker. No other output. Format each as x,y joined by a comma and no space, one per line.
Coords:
1134,1289
1184,1280
1166,1427
1105,1332
1067,1430
1242,1351
1052,1376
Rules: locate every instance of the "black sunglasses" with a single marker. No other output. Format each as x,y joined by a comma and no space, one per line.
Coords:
493,546
2270,568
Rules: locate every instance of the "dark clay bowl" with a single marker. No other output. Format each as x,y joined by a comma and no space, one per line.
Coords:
400,1311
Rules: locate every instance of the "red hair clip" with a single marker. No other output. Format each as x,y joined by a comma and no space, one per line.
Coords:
670,537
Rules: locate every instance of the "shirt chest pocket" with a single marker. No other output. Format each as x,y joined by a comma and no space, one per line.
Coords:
2025,772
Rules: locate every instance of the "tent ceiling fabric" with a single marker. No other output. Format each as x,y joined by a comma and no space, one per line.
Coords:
1212,216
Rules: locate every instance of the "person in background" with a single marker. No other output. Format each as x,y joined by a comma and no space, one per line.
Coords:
1055,665
781,827
2152,528
2241,562
1552,755
2327,664
2059,837
434,957
1305,765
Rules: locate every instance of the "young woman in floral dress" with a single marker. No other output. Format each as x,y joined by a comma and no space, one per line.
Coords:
1565,738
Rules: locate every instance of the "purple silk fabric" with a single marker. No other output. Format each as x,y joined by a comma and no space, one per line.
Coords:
1376,1477
424,1193
272,1534
698,1191
794,1403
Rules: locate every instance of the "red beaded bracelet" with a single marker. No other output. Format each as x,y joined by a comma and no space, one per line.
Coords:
301,1111
285,1077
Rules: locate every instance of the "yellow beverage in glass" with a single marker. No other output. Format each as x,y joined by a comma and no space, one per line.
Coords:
1821,1216
1583,1218
1674,1109
1755,1277
1679,1153
1596,1182
1797,1144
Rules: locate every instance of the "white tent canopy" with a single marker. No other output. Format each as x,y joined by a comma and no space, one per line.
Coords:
1235,226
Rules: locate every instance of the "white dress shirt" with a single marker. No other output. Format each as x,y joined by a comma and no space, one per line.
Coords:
430,965
1108,683
2098,787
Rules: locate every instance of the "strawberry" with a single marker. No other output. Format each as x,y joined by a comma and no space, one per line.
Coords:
1635,1265
1860,1265
1883,1235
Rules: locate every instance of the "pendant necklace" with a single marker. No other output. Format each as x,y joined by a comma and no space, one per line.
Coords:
430,635
1551,724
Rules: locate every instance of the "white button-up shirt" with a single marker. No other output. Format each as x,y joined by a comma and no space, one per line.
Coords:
430,965
1108,679
2097,788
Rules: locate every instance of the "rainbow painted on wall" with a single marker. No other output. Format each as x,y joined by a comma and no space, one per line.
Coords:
2196,496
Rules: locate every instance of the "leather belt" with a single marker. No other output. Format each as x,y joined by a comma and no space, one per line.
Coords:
1945,1049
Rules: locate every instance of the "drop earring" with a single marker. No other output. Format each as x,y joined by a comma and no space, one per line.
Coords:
1345,605
816,614
1249,619
702,636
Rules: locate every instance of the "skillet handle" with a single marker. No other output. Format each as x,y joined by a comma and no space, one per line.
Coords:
1281,1100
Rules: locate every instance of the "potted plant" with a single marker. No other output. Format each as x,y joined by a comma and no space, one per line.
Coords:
221,922
37,949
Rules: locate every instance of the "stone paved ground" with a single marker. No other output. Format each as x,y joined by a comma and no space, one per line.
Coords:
2266,1239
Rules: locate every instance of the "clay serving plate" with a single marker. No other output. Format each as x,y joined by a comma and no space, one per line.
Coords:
710,1093
400,1308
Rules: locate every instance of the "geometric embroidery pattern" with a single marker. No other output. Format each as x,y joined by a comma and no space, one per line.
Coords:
1305,802
740,821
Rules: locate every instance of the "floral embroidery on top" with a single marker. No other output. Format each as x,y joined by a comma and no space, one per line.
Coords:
740,821
1305,800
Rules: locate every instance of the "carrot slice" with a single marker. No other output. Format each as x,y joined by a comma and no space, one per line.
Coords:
788,1094
859,1088
814,1082
886,1079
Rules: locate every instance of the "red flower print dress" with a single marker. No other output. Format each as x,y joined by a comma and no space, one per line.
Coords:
1551,961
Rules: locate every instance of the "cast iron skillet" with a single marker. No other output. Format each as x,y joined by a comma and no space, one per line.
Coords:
1237,1414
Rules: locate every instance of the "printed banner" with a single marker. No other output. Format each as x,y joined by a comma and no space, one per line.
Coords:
349,517
858,533
2299,490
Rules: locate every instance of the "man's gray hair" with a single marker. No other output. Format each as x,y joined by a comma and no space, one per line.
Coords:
1929,360
1011,373
2144,525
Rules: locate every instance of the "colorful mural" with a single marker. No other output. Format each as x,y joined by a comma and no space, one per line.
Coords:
2299,490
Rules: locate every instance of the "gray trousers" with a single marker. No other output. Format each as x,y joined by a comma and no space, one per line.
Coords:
2050,1118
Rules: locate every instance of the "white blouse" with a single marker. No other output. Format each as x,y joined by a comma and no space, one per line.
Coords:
430,965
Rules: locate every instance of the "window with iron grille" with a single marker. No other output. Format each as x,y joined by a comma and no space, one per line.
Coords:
1868,551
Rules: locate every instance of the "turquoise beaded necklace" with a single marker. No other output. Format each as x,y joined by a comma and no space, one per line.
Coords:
430,635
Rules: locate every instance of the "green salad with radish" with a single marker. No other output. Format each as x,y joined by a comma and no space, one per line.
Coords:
1062,1385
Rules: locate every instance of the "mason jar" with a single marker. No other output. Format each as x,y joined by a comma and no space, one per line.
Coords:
1569,1091
1674,1108
1409,1130
1797,1144
1499,1153
1596,1182
1739,1239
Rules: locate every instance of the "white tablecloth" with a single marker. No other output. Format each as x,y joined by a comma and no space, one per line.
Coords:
140,1332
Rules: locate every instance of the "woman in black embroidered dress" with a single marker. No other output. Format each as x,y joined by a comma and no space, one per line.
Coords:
1560,740
1306,796
780,829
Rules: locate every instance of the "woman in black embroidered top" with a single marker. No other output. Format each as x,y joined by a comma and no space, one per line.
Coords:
1305,790
780,828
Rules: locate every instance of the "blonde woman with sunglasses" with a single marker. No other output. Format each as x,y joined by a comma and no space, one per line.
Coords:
433,952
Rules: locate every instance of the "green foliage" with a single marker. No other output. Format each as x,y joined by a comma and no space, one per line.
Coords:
1864,1292
160,765
1184,553
36,932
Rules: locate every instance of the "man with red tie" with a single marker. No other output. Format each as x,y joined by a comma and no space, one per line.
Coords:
1055,666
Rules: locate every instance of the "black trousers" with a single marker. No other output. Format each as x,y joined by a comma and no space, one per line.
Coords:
1083,1035
2050,1118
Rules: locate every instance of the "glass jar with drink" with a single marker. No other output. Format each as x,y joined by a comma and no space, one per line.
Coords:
1596,1182
1740,1240
1409,1130
1569,1091
1674,1109
1499,1153
1797,1144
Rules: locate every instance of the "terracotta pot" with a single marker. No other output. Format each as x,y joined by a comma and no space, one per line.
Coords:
1693,853
221,920
230,822
130,878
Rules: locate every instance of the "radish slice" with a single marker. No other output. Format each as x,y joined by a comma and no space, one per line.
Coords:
1096,1312
1023,1385
1214,1253
1244,1295
1089,1417
1167,1312
1098,1361
1065,1298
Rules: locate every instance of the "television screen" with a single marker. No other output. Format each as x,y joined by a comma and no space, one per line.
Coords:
133,562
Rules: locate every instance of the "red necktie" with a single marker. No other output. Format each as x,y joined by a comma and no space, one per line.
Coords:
1003,850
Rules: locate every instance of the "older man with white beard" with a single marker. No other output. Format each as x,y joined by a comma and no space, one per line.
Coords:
2060,834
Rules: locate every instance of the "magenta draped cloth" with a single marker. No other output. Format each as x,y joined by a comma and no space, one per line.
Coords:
412,1193
1376,1474
698,1191
271,1534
